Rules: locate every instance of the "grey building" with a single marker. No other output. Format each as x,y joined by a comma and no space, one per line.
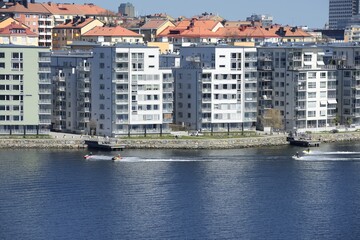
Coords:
341,11
127,9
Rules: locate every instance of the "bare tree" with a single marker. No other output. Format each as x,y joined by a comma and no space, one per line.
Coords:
272,118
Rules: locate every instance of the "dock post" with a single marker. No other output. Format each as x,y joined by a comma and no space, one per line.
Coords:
161,130
144,130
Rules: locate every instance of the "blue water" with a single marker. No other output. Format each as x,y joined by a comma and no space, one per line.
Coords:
156,194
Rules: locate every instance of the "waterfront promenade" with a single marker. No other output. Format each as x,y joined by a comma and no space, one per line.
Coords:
73,141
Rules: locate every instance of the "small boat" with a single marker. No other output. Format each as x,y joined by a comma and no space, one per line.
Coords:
307,151
116,158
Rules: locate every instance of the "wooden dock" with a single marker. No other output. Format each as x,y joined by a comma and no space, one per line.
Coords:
103,145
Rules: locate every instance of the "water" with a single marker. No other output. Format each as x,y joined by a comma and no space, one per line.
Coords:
221,194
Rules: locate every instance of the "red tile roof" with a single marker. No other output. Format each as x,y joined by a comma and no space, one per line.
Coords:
111,31
153,24
35,8
55,9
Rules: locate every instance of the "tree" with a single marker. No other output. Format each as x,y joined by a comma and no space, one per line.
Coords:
272,118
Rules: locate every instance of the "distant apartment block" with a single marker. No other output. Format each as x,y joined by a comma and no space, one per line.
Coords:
25,90
295,80
341,12
127,10
216,88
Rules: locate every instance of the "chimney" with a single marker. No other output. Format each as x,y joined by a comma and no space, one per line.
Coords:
25,3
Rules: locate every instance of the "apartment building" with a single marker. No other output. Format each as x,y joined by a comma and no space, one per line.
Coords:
294,79
216,88
71,91
25,90
130,94
346,58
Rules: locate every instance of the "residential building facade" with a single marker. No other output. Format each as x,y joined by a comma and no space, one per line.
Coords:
128,90
71,91
216,88
295,80
25,90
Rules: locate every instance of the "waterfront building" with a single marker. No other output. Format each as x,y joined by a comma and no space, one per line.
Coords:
130,94
216,88
112,35
341,12
25,90
72,30
346,58
70,71
293,79
127,10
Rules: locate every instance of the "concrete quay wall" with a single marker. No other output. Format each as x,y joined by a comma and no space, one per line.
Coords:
195,143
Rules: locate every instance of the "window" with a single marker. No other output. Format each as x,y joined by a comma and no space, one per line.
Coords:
2,65
102,65
2,55
322,84
312,75
311,84
312,95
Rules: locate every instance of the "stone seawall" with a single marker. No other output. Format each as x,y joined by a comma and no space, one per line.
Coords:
42,143
195,143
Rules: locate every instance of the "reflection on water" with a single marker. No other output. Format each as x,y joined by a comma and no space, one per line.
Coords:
177,194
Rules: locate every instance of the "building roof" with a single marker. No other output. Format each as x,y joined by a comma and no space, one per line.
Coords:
111,31
15,29
88,9
34,8
76,23
154,24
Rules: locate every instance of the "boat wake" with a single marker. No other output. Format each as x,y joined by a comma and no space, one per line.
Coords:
137,159
329,156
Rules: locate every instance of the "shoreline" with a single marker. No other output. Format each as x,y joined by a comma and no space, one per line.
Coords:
223,143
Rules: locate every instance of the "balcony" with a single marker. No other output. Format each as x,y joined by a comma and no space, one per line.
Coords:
45,69
45,101
265,68
44,59
45,81
44,91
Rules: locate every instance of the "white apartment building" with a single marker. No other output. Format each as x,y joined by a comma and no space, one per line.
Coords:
71,91
25,90
295,80
216,88
130,94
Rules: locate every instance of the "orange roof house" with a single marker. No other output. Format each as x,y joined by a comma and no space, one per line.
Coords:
112,35
17,34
